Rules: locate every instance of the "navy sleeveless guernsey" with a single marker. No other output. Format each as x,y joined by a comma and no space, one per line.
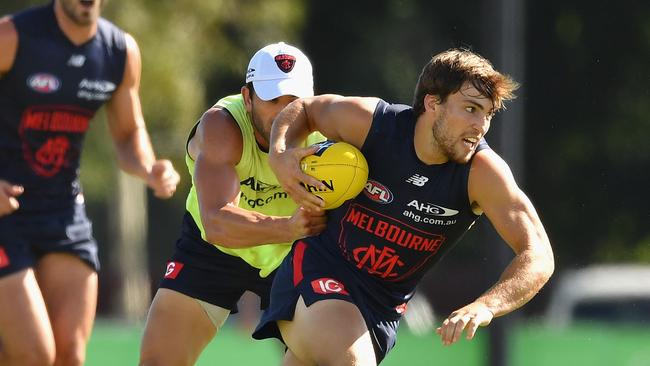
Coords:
407,217
47,100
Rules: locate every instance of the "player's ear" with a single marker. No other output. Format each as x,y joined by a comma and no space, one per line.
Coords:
248,98
431,102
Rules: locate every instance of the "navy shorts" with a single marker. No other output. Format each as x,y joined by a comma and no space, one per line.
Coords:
25,238
316,277
213,276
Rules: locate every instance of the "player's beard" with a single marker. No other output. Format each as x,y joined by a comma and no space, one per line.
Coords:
80,15
446,143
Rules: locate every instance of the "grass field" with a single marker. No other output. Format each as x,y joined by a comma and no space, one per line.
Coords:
532,345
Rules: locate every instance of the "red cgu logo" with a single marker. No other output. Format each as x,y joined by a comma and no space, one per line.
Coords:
378,192
173,268
328,286
44,83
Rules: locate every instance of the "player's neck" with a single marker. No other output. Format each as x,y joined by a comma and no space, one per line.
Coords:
262,142
76,33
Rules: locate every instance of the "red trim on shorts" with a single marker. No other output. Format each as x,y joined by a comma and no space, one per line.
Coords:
4,258
298,255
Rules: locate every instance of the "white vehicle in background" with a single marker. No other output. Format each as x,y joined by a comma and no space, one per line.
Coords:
605,293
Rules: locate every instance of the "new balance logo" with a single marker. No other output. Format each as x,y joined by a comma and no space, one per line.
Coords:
77,60
418,180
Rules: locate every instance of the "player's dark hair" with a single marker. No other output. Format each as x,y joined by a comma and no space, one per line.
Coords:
446,73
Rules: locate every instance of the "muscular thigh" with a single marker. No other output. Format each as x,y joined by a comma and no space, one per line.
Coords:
328,332
24,323
69,287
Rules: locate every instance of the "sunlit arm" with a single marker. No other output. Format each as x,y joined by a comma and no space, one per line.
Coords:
233,227
515,219
217,149
126,123
522,279
492,190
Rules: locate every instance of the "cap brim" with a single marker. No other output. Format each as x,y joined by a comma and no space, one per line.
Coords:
271,89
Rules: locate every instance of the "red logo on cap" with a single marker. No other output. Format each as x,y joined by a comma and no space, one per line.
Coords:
285,62
173,268
4,259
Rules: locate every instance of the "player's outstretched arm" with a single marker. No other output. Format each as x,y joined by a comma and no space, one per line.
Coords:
134,151
216,149
493,190
338,118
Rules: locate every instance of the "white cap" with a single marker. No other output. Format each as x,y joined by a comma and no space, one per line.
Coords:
280,69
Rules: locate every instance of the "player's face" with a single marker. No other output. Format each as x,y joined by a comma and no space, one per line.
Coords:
463,119
82,12
264,112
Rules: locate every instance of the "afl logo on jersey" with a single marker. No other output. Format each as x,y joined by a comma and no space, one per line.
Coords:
44,83
378,192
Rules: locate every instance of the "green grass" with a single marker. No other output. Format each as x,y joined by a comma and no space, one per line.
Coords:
115,344
531,345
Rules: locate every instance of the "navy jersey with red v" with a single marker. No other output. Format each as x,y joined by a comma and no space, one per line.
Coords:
408,215
46,102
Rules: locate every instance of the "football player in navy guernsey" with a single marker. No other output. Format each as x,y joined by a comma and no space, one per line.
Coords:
60,63
337,298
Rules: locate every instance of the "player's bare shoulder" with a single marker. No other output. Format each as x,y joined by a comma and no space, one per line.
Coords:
8,44
489,177
218,136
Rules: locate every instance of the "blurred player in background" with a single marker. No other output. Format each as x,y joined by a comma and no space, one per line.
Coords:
60,63
234,208
338,297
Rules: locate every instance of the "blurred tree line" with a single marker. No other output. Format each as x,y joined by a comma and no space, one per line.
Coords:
585,89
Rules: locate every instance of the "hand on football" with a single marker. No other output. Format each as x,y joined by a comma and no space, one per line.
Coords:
286,166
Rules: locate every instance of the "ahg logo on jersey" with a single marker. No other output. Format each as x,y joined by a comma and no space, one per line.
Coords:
431,209
95,89
325,286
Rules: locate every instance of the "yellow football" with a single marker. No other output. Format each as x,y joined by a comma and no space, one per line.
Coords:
342,169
